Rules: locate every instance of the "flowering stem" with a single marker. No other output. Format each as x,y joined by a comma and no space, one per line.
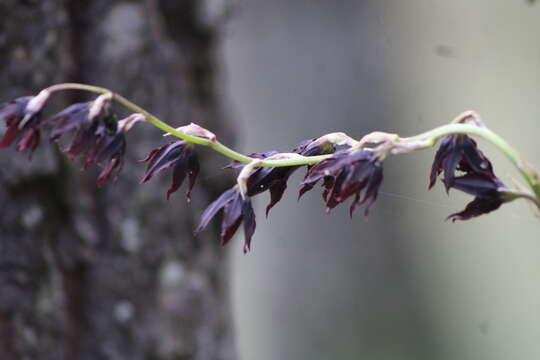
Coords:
400,145
215,145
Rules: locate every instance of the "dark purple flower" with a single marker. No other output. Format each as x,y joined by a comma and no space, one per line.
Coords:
274,179
236,209
72,118
181,156
97,139
23,120
489,195
109,151
358,173
458,152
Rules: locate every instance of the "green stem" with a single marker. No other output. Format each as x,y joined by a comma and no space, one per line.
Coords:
425,140
215,145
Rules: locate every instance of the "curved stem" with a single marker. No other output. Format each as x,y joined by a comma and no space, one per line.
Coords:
422,141
215,145
432,136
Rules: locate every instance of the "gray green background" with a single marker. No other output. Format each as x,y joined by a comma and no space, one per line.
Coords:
403,283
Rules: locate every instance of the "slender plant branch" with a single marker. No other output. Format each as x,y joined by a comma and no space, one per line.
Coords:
390,142
215,145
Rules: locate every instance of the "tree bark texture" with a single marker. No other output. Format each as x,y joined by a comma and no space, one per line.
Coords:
111,272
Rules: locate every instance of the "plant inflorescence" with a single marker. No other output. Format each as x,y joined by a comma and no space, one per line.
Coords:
346,167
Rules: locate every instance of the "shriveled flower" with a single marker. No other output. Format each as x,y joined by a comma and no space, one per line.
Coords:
181,156
23,120
236,209
347,173
458,152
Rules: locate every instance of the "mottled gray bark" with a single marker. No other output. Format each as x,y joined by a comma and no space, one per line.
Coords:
110,273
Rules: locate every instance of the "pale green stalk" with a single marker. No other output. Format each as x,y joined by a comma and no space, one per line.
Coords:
399,145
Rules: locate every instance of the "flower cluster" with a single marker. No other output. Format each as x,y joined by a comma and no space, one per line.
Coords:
237,206
459,153
347,173
274,179
98,138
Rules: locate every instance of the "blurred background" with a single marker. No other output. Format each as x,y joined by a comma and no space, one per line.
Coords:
403,283
115,273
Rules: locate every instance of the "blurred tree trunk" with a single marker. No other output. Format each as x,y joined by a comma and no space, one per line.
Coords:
110,273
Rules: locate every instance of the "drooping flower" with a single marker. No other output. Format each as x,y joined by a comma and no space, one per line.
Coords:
22,117
70,119
236,209
98,138
109,150
274,179
460,154
179,155
345,174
